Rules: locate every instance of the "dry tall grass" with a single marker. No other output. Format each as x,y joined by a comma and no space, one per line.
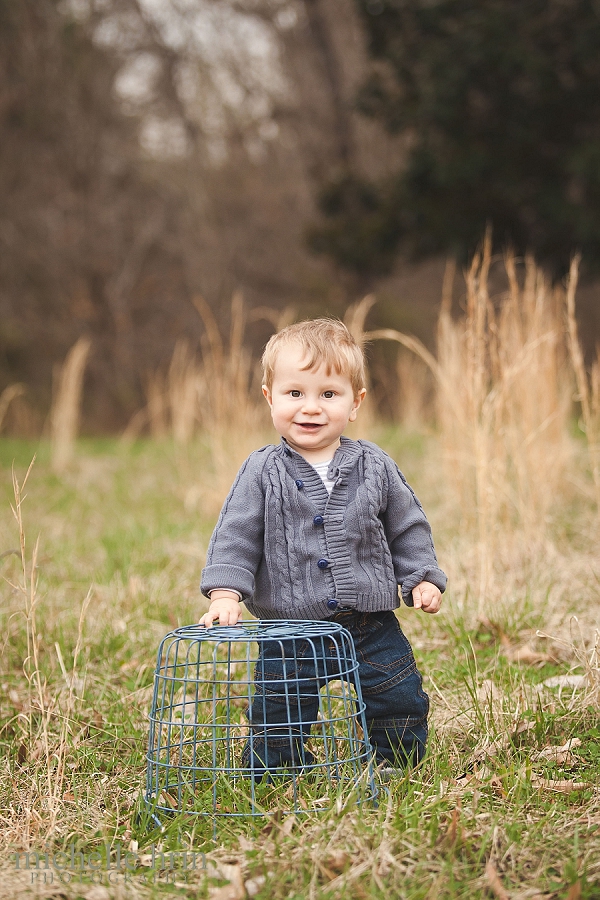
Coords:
413,403
588,391
158,407
504,388
504,406
215,396
9,394
232,413
354,319
66,403
227,401
184,390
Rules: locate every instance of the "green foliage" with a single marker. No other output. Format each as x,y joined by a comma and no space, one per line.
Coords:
361,226
501,107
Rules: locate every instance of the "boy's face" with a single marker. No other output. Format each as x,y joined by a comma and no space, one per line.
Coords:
310,408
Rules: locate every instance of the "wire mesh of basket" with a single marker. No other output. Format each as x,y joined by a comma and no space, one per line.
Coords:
254,717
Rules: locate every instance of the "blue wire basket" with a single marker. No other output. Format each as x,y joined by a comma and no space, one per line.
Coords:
257,717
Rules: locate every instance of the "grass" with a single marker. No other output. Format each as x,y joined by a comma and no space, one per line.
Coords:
507,803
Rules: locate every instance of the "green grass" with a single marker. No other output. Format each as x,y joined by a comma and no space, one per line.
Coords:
128,525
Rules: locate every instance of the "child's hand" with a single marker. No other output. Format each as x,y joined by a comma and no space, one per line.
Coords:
427,596
225,607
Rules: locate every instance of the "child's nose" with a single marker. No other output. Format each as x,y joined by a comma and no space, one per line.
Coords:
311,404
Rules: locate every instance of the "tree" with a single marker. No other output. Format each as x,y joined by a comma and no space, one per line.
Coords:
154,152
73,202
499,103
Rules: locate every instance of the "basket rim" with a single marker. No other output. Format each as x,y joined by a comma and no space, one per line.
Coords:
261,630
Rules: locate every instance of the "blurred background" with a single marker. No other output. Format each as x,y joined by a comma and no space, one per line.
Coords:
170,169
179,179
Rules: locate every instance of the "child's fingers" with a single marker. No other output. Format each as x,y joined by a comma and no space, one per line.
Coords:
431,601
427,596
229,617
209,618
222,616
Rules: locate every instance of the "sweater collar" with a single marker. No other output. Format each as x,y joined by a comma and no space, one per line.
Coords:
343,460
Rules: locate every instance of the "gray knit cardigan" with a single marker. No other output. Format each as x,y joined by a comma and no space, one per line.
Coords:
293,551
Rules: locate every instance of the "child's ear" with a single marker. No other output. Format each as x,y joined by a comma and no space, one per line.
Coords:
267,395
357,401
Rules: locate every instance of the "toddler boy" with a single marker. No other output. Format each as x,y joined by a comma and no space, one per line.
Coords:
324,527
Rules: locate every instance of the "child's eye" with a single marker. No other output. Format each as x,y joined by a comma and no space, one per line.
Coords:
328,394
295,394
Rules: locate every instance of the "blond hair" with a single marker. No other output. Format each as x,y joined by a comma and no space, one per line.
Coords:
324,342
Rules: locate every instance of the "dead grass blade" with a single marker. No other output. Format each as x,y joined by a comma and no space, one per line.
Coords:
559,786
183,384
494,882
66,404
588,390
9,394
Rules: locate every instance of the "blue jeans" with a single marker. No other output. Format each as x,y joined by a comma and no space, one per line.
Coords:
284,708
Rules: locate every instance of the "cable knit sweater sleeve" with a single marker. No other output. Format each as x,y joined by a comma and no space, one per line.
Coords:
409,535
236,546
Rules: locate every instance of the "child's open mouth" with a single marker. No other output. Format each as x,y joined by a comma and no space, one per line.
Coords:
309,426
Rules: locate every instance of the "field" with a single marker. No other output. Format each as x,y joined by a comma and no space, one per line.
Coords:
100,560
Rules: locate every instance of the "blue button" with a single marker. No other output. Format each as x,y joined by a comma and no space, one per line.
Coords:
299,484
332,604
318,520
323,563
